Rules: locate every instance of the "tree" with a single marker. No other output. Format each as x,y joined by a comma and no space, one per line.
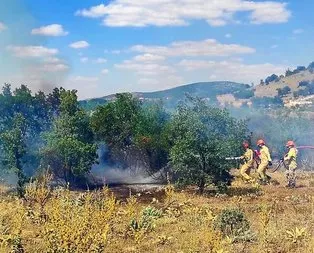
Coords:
271,78
288,73
69,150
202,137
13,144
150,136
115,122
284,91
311,67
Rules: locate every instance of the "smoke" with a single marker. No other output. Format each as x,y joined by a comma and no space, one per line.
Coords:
107,173
277,126
26,58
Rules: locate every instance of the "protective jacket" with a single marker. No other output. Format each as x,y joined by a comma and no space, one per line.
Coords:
291,158
265,155
248,157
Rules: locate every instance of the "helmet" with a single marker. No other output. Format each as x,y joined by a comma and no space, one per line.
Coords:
290,144
260,142
245,144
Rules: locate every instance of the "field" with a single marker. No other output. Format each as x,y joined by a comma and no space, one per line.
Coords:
161,220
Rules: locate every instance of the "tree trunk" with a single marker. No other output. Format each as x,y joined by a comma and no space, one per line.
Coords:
201,185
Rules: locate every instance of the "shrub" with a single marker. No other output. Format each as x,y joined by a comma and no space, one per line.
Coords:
232,223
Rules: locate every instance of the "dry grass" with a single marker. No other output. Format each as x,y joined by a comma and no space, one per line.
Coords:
291,81
281,220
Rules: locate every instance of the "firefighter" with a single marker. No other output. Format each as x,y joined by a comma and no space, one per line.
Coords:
248,161
291,161
265,162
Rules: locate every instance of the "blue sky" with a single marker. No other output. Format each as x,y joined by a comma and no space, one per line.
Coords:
103,47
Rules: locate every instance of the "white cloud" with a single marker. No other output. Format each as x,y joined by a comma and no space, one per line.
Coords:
228,35
32,51
105,71
179,12
50,30
274,46
149,58
52,60
59,67
298,31
233,70
2,27
84,59
145,69
85,79
100,60
159,83
268,12
209,47
79,44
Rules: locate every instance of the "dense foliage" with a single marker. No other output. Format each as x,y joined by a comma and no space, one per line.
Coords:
202,137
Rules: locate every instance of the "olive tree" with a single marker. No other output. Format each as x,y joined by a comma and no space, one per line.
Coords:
202,136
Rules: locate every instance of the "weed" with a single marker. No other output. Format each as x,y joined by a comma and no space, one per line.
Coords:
232,223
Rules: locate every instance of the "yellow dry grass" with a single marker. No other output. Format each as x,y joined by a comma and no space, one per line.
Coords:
178,221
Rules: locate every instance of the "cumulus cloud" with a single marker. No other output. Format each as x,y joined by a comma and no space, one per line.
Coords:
179,12
50,30
144,68
52,60
159,83
100,60
79,44
32,51
2,27
232,70
59,67
149,58
105,71
84,79
209,47
83,59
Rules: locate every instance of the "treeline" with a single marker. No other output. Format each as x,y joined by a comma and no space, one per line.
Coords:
51,131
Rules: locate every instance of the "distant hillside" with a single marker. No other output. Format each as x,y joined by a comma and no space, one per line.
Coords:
212,91
292,82
295,88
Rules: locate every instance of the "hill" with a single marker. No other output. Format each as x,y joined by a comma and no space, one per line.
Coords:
295,88
214,92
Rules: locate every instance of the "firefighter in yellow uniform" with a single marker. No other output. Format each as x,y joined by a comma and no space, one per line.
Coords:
291,161
248,161
265,162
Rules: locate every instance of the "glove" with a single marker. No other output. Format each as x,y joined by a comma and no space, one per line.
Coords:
270,163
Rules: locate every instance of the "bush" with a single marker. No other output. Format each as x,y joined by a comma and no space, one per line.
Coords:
244,94
284,91
233,223
267,102
271,78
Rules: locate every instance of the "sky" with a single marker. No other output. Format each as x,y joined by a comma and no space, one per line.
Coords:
104,47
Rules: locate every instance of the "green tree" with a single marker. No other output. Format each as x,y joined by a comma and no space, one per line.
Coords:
13,145
284,91
69,150
115,122
150,136
202,137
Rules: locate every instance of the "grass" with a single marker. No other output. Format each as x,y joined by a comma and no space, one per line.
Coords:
281,220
